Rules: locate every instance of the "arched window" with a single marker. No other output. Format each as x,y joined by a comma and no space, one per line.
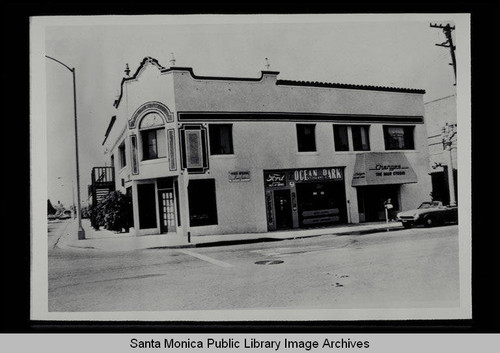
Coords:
152,129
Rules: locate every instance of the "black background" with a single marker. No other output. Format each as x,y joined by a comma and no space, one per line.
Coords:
15,235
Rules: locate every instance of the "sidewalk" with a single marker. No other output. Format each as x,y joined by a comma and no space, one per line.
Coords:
110,241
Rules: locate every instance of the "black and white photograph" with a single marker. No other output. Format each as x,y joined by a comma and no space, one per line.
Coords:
300,167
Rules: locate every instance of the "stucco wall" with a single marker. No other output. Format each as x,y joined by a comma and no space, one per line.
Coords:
273,145
265,96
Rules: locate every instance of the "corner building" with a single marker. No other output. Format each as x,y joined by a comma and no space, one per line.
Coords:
225,155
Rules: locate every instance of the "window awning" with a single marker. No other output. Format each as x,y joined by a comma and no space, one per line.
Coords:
374,168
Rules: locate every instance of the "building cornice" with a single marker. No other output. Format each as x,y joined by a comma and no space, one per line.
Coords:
220,78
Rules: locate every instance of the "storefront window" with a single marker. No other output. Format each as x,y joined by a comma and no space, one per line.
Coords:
306,138
340,138
399,137
202,202
147,206
360,138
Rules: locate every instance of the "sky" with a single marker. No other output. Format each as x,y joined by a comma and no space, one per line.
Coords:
395,51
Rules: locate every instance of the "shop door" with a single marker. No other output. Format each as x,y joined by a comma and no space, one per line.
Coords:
283,209
167,211
371,201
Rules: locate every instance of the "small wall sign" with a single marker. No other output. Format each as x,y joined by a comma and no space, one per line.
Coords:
239,176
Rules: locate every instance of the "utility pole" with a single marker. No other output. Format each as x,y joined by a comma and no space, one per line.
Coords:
448,132
448,44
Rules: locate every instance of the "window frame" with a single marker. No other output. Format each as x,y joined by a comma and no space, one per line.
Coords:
122,155
305,146
214,138
359,147
145,145
408,137
337,141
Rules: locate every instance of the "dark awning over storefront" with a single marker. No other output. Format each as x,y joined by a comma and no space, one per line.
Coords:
382,168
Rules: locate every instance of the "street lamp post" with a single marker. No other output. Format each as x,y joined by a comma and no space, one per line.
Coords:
81,232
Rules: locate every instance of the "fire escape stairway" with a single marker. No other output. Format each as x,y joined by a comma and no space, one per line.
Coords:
103,182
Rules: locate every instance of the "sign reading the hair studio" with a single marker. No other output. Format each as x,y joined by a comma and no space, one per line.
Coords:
317,174
238,176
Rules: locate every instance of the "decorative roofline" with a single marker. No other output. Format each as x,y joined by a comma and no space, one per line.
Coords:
219,78
155,62
146,60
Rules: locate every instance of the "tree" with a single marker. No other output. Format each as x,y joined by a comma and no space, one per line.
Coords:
114,212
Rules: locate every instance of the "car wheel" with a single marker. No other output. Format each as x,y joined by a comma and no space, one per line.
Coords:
429,222
407,225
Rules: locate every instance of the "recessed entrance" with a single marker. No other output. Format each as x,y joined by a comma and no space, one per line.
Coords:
166,205
371,201
167,210
283,209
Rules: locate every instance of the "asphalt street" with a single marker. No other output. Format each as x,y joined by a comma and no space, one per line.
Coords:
410,268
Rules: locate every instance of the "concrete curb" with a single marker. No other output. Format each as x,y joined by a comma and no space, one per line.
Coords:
129,243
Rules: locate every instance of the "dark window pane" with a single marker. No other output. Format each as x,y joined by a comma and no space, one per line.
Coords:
399,137
123,159
154,144
221,139
202,202
306,139
147,205
360,138
340,138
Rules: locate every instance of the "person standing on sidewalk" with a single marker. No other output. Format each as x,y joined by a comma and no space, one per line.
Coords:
389,213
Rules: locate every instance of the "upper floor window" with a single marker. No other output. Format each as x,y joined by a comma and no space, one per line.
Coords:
306,138
340,138
121,152
221,139
360,137
154,143
399,137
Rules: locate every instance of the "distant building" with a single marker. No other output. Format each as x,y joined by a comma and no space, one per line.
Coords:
221,155
438,113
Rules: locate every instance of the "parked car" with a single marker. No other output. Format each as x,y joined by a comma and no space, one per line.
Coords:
429,214
65,215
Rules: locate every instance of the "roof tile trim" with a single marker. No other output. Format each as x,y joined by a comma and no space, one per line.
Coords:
347,86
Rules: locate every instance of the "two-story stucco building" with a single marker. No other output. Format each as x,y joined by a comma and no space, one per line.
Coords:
224,155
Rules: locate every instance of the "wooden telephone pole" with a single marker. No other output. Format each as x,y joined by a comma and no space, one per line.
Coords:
448,44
